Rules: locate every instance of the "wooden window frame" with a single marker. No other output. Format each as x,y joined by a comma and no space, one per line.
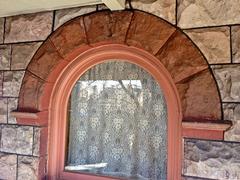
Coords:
66,81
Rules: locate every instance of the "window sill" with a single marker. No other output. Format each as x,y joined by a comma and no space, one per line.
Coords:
205,129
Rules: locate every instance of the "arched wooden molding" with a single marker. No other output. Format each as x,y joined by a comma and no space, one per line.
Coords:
197,89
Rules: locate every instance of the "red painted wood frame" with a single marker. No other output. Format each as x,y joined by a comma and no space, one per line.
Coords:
67,79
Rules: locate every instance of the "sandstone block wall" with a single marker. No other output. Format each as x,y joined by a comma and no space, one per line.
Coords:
214,26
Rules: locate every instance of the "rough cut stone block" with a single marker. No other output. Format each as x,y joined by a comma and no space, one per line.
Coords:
27,168
1,29
180,57
236,44
164,9
213,42
199,13
232,112
211,159
12,83
8,166
148,32
29,27
17,139
199,97
36,141
12,105
3,110
5,56
69,37
22,54
31,92
107,26
228,80
44,60
65,15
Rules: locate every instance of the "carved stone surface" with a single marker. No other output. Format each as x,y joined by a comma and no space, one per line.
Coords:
227,77
211,159
30,27
17,139
236,43
65,15
199,97
213,42
69,37
181,61
164,9
8,166
36,141
5,56
232,112
148,32
12,83
30,96
27,168
44,60
12,105
22,54
3,110
195,13
106,26
1,29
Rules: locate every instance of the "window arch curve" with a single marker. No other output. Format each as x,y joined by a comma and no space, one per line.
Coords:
87,60
144,35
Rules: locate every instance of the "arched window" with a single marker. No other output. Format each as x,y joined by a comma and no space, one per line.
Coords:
158,48
115,114
117,123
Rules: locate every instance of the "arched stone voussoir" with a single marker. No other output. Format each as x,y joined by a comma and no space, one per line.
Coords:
181,58
148,32
198,91
107,26
70,36
199,97
185,63
45,60
29,93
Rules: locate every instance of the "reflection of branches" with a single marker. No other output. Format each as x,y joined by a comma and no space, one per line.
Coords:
129,93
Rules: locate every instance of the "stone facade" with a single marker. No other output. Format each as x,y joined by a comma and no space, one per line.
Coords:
213,42
236,43
5,51
212,159
227,77
21,36
232,112
30,27
8,166
194,13
164,9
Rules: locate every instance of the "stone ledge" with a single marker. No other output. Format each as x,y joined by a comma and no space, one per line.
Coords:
205,129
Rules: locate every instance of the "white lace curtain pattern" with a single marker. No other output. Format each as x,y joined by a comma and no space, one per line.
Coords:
118,123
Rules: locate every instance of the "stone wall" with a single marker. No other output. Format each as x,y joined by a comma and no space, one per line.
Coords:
214,26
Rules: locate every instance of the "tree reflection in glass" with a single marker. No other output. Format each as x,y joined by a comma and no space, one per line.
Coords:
118,123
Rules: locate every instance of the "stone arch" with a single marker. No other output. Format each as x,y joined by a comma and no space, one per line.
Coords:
187,66
197,89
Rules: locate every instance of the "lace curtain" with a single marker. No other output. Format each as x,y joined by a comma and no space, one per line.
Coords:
118,123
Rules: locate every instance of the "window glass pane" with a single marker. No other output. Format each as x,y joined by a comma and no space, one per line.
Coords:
118,123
